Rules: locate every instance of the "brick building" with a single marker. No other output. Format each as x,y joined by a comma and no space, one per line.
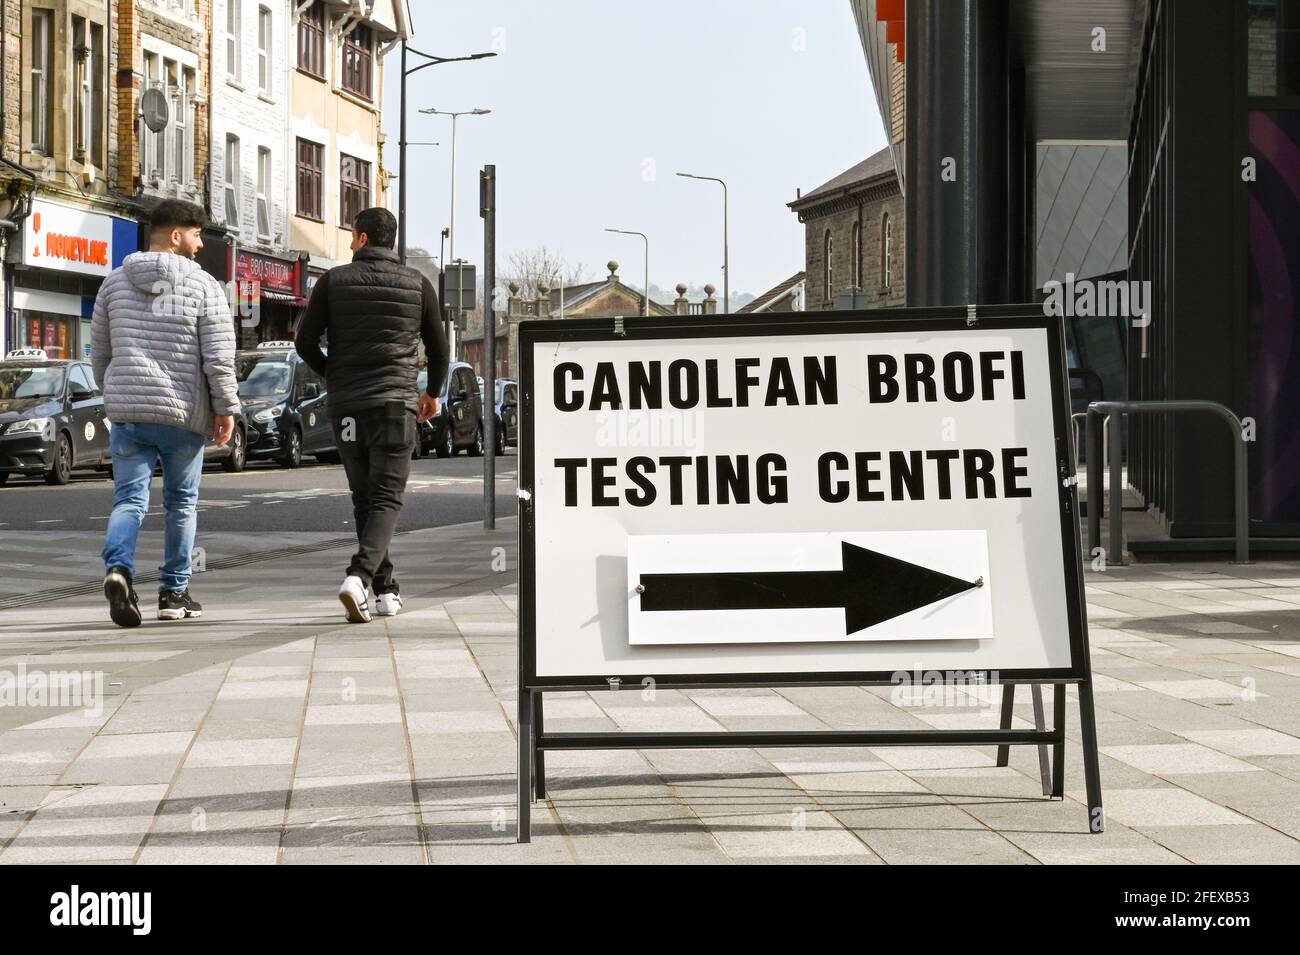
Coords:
853,236
162,45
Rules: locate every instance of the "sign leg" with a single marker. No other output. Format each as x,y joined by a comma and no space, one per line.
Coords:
1091,763
1058,748
1040,723
524,808
1008,708
539,758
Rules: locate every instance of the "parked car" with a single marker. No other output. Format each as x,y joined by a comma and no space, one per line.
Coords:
51,417
284,402
459,421
507,409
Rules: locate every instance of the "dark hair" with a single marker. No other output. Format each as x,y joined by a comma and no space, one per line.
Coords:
176,214
378,225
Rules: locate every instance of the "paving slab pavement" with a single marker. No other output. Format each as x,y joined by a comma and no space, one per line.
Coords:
271,731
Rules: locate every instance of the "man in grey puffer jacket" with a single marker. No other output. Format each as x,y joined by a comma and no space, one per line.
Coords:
163,350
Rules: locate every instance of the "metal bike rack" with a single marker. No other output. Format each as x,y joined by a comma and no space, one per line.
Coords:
1105,443
1111,413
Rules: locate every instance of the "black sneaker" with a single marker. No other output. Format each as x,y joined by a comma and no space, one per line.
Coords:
123,606
177,605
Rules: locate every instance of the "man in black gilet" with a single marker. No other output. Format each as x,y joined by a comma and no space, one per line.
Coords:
374,311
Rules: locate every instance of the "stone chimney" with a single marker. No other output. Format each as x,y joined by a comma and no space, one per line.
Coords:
681,304
710,303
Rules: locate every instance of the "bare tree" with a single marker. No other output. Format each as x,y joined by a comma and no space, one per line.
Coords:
539,266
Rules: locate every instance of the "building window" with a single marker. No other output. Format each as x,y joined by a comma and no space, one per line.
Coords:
354,189
1273,48
82,104
264,50
98,99
234,48
311,40
827,272
169,152
263,190
857,255
181,164
887,252
152,156
357,47
232,181
42,75
311,165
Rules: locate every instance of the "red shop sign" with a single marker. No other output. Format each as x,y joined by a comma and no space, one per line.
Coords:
278,275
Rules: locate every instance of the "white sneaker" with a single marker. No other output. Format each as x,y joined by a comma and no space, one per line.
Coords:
353,597
387,605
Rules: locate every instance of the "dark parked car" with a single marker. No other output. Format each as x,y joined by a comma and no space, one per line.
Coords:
507,407
51,417
284,402
459,421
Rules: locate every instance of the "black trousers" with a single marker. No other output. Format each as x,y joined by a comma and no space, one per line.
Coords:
376,445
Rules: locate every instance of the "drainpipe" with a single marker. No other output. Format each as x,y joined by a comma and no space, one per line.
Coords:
9,224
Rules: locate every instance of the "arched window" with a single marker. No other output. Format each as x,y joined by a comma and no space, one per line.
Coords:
887,251
827,271
857,255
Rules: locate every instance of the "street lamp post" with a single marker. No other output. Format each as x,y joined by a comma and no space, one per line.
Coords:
454,116
726,255
645,299
430,60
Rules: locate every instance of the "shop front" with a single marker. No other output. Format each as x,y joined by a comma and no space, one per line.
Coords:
274,286
66,252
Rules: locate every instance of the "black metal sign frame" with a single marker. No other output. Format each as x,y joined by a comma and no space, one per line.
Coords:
533,741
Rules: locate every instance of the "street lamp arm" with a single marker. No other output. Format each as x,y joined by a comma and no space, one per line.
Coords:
437,60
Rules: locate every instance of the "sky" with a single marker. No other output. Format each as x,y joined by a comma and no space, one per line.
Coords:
595,105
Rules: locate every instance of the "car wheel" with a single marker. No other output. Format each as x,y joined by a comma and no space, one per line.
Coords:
60,471
419,450
292,456
235,460
500,440
476,449
447,446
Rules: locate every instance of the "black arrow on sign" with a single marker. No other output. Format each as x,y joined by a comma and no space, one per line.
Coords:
870,586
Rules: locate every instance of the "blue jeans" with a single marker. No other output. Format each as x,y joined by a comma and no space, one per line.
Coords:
135,447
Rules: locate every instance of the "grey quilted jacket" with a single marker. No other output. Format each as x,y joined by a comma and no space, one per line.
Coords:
163,343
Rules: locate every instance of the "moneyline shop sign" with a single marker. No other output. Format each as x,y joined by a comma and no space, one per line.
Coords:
71,239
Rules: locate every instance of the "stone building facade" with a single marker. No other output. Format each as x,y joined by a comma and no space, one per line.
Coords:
66,222
853,237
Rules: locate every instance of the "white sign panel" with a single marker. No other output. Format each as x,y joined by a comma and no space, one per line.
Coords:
841,502
68,239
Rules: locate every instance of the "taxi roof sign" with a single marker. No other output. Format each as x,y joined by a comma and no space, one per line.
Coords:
37,353
274,345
